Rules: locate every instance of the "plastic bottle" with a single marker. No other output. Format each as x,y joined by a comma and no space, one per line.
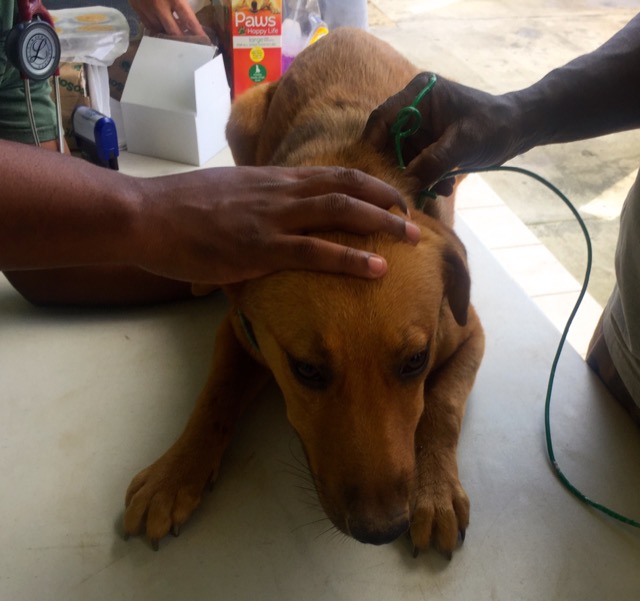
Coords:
292,42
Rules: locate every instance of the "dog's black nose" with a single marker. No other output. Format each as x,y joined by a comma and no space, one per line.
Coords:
378,534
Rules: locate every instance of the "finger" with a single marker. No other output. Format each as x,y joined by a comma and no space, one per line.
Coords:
315,254
444,187
188,19
353,183
150,21
378,128
316,181
434,162
341,212
377,131
168,23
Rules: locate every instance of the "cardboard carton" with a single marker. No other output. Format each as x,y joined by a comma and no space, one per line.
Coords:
176,101
73,93
250,36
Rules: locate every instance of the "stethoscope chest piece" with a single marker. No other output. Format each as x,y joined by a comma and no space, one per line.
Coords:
33,48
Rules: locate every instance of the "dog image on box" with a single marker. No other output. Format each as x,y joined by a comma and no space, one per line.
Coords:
255,6
374,373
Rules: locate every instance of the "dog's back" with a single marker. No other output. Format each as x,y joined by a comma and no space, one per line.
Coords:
343,77
348,73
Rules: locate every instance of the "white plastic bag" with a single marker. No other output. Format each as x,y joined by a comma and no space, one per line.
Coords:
95,36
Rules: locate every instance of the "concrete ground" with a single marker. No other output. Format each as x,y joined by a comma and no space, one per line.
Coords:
498,46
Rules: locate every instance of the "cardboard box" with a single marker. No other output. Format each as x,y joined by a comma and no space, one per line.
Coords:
176,102
250,37
119,70
73,93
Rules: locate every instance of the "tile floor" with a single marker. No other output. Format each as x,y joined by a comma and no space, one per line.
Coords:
527,260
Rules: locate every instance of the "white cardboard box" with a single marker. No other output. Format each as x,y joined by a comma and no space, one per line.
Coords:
176,102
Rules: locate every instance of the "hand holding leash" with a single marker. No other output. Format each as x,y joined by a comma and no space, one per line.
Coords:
460,127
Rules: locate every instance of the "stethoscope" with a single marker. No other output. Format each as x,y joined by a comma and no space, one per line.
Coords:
33,48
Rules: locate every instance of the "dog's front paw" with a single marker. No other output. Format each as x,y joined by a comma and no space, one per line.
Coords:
162,497
440,517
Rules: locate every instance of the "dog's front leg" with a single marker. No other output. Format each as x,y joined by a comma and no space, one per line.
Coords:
441,512
162,496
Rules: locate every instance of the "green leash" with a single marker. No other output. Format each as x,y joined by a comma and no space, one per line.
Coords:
412,114
407,124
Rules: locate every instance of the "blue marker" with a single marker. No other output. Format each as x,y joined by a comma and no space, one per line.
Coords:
96,136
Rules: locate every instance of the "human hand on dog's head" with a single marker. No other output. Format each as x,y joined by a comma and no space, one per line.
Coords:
226,225
460,127
173,17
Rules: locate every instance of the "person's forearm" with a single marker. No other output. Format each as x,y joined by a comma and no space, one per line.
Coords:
96,285
593,95
45,222
210,226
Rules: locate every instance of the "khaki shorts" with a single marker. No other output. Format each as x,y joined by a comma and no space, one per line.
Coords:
621,319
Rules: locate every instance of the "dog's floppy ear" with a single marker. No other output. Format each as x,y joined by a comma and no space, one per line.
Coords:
457,281
248,116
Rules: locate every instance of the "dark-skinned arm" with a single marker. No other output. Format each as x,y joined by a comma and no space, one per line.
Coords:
125,239
595,94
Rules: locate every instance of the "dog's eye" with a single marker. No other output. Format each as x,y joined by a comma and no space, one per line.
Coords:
415,364
308,374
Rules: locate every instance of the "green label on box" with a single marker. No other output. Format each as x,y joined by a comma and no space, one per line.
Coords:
257,73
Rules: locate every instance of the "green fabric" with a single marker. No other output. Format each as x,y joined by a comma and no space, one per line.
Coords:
14,119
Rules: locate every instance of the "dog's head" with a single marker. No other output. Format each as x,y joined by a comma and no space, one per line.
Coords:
351,357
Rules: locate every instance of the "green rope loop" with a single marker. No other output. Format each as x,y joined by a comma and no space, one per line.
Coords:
404,115
409,114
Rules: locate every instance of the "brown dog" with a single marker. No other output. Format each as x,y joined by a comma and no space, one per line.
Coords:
375,374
